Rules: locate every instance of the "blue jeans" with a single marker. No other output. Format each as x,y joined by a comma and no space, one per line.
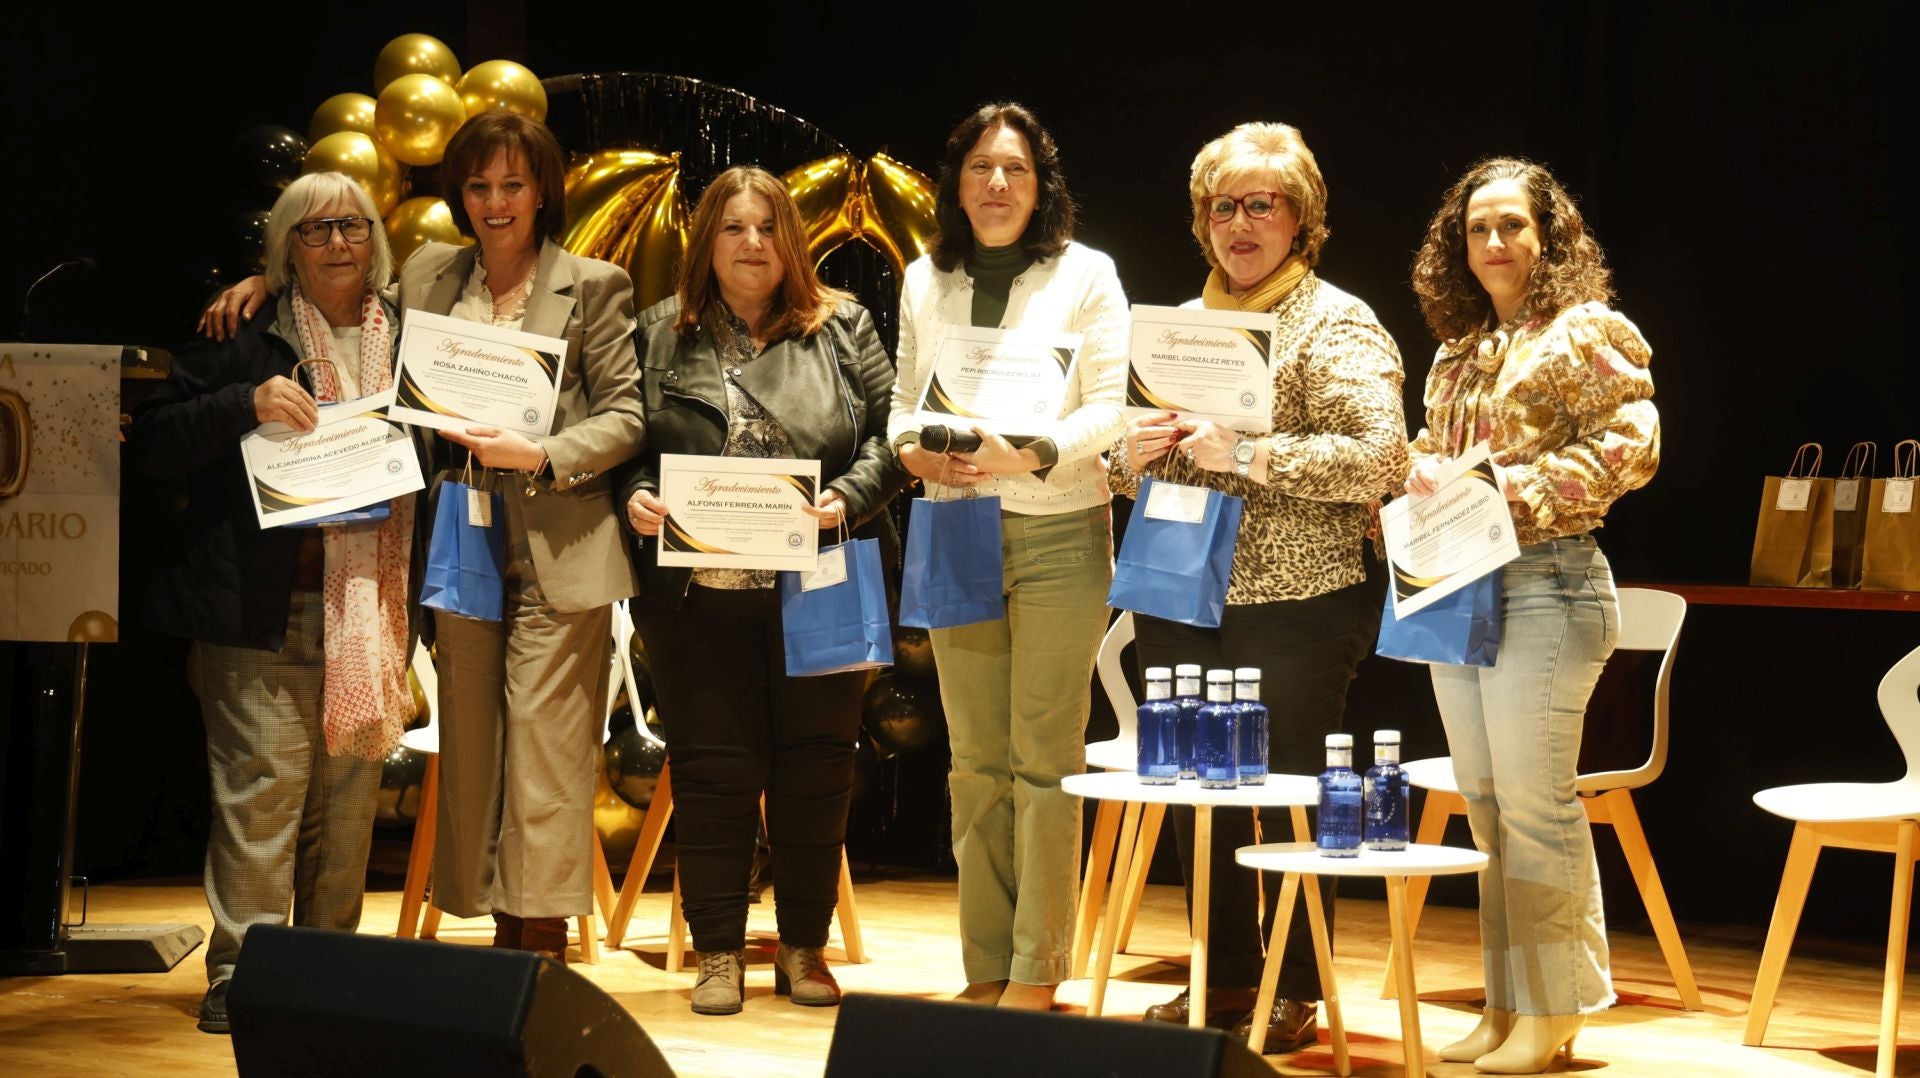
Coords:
1514,731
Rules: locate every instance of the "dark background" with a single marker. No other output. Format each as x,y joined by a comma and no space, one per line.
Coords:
1738,164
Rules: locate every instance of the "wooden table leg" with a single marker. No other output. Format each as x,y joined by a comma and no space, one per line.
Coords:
1110,929
1902,904
420,857
1270,971
1397,919
1329,988
1106,826
1202,880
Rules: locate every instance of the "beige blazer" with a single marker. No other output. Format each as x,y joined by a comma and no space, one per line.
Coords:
578,554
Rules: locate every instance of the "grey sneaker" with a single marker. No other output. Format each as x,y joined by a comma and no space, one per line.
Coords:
801,972
721,988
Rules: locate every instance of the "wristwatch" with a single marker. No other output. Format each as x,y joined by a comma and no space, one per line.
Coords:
1242,456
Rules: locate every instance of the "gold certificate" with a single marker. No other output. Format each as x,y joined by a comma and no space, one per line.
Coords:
453,374
1213,365
354,457
1438,544
1007,381
739,512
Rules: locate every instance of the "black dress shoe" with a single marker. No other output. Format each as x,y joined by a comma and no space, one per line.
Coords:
1225,1007
213,1009
1291,1026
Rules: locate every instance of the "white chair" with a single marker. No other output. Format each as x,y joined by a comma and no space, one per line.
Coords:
413,893
1118,753
1649,621
1875,816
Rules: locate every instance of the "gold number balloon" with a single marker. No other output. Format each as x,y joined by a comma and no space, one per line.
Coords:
414,54
361,158
415,116
897,214
503,84
605,194
417,222
826,192
341,112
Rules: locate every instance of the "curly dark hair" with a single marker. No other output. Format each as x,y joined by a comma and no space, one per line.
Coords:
1571,269
1051,226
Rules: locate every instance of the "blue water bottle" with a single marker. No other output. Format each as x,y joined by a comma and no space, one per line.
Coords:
1340,797
1186,693
1385,792
1216,737
1253,726
1159,721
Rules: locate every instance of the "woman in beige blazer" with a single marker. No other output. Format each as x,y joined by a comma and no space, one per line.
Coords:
522,700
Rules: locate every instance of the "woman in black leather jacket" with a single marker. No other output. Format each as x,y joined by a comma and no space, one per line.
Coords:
755,357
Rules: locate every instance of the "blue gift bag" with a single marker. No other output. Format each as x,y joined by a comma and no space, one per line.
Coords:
1174,569
842,626
463,561
952,573
1462,629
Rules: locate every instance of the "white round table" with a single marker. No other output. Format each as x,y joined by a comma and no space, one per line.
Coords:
1298,861
1295,791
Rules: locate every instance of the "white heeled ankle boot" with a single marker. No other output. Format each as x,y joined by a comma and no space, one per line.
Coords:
1535,1040
1491,1033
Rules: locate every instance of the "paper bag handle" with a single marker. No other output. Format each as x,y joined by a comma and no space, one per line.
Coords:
1861,460
1794,472
1906,453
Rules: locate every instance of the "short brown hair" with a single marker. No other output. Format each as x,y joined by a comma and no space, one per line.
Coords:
803,302
1256,149
1571,269
472,149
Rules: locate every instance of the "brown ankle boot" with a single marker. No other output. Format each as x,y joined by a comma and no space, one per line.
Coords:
545,935
506,930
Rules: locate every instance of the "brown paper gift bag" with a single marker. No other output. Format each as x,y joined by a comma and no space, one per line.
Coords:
1850,493
1793,542
1890,557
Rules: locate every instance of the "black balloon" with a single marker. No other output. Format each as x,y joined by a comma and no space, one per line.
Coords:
269,157
866,769
246,252
912,651
633,766
403,775
902,713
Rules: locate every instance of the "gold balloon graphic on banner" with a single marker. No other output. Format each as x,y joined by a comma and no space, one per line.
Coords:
362,159
341,112
503,84
415,116
414,54
626,207
417,222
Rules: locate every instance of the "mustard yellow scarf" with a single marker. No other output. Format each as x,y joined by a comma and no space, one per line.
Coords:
1264,296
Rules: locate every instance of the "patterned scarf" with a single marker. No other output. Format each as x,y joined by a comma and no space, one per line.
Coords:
366,702
1264,296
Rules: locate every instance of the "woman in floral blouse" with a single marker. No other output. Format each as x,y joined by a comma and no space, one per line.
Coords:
1534,363
1303,601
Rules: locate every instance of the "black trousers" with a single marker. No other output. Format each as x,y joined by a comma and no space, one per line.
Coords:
1307,651
737,727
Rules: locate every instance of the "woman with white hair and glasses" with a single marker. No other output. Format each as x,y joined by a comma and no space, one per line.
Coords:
299,635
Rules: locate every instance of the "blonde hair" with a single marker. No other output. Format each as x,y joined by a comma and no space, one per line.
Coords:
1262,149
307,196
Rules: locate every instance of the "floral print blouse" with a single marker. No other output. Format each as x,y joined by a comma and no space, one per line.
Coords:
1566,406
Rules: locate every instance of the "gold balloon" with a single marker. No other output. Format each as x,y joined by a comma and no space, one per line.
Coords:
417,222
341,112
653,249
421,710
415,116
503,84
362,159
826,191
94,627
615,822
897,211
605,194
414,54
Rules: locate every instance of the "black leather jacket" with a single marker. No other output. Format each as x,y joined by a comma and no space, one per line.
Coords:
830,392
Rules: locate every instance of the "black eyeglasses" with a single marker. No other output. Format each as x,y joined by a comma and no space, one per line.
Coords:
1258,204
319,232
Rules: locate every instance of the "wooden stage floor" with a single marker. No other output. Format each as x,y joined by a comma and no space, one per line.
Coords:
1825,1022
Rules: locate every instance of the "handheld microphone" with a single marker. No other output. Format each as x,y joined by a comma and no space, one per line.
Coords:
26,301
941,439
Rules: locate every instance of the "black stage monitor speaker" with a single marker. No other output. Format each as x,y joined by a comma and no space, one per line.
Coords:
901,1035
309,1002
